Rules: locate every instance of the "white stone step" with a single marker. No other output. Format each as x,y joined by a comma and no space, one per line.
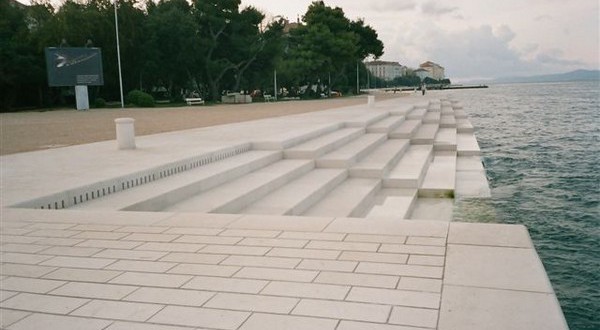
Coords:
417,113
425,134
440,179
395,204
440,209
401,110
321,145
445,139
297,196
463,125
378,163
351,152
159,194
238,194
294,137
385,125
352,198
471,179
366,120
432,117
406,130
434,106
466,145
457,104
411,168
447,121
447,110
460,114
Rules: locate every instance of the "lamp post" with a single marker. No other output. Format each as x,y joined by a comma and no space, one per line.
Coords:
275,83
357,80
119,56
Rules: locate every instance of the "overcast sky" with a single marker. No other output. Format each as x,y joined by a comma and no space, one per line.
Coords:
474,39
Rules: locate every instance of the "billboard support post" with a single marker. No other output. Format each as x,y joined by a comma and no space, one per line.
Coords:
81,97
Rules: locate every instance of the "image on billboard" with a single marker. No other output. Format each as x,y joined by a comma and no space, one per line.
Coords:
74,66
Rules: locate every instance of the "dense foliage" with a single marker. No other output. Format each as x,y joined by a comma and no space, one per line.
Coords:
174,47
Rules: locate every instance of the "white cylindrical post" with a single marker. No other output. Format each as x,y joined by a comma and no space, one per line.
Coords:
371,101
125,133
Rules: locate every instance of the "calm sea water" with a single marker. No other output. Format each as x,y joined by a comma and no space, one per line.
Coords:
541,146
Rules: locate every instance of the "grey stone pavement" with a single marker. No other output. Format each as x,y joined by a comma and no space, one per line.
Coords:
111,269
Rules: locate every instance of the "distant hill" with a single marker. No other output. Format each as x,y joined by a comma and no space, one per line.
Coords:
577,75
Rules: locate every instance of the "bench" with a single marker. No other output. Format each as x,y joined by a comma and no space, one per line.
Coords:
268,98
194,101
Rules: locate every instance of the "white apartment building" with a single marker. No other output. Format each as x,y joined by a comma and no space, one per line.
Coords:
386,70
435,70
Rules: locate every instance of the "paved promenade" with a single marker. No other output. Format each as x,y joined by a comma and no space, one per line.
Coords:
86,265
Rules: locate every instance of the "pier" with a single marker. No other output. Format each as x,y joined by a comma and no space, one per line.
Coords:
340,219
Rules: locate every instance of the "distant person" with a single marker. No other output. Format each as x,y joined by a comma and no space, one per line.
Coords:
424,88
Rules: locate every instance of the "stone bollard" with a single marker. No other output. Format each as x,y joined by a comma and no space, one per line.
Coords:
371,101
125,133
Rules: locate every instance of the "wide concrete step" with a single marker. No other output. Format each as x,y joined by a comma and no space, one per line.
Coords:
366,119
396,203
352,198
466,145
463,125
294,136
440,179
406,130
434,106
351,152
425,134
386,125
321,145
432,117
159,194
417,113
440,209
401,109
378,163
447,110
238,194
297,196
447,121
460,114
471,179
411,168
445,139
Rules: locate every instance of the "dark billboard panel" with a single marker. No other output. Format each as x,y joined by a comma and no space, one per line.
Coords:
72,66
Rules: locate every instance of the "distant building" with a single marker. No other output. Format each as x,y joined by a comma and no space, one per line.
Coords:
422,74
435,70
386,70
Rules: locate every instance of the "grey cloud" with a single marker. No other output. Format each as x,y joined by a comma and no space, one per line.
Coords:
504,33
395,6
435,9
555,57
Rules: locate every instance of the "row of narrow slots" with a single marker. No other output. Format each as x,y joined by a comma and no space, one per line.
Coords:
91,195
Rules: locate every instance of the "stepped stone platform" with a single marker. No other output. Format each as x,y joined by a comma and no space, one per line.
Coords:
340,219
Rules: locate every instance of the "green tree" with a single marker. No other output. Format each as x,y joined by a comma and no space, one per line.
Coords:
171,46
327,48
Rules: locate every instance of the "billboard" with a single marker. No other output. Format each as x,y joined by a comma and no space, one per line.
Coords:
73,66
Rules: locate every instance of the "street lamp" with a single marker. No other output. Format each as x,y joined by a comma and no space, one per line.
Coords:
119,56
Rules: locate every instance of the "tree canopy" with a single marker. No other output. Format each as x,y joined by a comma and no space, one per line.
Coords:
175,46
